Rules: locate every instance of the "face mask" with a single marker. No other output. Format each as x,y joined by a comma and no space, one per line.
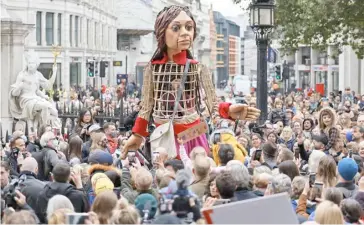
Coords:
55,144
114,134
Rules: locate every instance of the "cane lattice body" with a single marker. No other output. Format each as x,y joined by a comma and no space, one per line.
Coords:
161,82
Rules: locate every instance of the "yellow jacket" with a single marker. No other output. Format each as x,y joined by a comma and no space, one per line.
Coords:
227,138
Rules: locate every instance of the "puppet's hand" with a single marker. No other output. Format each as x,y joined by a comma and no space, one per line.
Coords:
243,112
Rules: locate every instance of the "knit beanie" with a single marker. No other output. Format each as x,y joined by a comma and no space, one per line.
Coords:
103,184
347,169
146,202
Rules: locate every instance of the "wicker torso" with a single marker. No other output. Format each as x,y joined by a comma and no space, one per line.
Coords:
166,80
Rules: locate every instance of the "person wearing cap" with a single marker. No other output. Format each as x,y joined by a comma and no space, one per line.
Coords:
319,143
347,170
147,206
95,128
100,162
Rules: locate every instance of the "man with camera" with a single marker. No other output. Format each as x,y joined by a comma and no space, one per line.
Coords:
30,185
16,154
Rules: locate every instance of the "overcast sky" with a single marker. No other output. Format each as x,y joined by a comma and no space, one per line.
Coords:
226,7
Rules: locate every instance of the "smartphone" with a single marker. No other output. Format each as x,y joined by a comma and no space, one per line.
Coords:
217,138
117,153
155,156
131,157
257,154
350,153
76,218
312,179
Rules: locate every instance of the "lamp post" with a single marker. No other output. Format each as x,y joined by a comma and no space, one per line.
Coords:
262,23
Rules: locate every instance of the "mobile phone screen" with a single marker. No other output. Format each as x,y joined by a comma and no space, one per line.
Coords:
76,218
131,156
257,154
312,179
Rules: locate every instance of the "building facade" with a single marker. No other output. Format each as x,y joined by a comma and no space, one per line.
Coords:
312,67
84,30
213,46
136,41
227,49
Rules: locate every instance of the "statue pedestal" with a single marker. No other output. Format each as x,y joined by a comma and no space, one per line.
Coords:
13,34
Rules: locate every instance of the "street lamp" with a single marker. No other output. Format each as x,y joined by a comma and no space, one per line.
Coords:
262,23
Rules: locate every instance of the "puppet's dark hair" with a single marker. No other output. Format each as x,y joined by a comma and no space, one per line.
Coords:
164,18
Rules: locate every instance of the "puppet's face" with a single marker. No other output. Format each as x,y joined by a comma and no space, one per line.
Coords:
180,32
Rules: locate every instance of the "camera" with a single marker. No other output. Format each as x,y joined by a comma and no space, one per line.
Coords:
9,193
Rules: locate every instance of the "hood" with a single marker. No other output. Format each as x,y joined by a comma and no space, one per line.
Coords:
329,111
222,131
56,188
102,168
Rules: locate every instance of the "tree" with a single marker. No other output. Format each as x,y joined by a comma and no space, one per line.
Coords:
320,23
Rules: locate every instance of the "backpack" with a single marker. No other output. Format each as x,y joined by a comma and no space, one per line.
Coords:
40,158
227,137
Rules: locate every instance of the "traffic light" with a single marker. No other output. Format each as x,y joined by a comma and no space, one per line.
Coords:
96,68
103,66
278,72
118,79
91,68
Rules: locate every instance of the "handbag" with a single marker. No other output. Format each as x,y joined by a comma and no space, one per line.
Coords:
163,135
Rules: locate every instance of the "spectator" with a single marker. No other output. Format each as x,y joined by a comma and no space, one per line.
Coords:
201,169
347,169
58,202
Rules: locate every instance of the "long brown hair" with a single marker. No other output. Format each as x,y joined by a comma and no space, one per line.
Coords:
164,18
104,204
75,148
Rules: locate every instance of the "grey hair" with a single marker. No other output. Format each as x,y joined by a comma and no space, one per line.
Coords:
58,202
240,174
29,164
183,178
281,183
46,137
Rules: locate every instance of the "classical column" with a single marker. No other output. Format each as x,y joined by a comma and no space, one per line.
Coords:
43,28
13,33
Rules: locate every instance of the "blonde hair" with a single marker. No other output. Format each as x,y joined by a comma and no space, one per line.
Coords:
143,180
59,216
328,212
125,214
96,138
201,166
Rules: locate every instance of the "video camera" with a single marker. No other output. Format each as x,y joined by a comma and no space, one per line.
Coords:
255,128
9,193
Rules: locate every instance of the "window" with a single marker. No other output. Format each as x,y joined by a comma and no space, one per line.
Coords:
87,31
59,29
76,30
46,70
39,28
71,29
49,28
123,42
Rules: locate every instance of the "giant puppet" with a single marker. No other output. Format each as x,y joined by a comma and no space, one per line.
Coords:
175,31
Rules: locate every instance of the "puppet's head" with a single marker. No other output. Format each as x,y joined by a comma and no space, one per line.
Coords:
175,29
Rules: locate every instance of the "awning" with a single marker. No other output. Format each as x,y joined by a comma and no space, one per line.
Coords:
136,32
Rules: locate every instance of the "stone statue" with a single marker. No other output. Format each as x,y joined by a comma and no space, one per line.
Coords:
27,101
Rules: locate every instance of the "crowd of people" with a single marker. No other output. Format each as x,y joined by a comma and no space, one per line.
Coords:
311,148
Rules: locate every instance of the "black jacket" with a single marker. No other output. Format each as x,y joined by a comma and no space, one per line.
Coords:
47,158
77,197
244,194
30,188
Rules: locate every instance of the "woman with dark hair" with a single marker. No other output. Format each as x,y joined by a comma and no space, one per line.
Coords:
85,120
289,168
175,31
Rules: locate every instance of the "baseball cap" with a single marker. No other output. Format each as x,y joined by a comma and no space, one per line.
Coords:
94,127
100,157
